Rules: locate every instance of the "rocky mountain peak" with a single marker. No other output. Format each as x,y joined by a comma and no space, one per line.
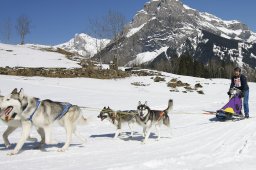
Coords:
167,28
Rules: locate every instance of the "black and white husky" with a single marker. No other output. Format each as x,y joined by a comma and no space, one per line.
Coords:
147,118
41,114
117,118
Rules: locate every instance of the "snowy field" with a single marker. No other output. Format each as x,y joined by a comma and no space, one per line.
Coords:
196,143
26,56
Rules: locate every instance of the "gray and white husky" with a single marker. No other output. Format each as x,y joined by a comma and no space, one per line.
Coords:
41,114
147,118
117,118
12,125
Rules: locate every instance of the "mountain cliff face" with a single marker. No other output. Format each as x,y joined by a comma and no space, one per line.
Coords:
168,28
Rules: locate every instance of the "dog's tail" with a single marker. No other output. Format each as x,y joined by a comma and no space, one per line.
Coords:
170,107
167,111
82,120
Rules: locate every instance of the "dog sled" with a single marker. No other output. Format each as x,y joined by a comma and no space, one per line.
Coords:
233,109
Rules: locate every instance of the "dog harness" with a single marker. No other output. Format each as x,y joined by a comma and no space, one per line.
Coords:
66,107
38,102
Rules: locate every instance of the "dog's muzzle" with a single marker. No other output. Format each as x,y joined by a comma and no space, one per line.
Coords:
102,117
5,114
141,114
7,111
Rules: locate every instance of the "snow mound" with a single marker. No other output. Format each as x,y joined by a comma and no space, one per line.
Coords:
32,56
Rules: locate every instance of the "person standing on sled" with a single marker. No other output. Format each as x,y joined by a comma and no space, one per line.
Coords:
240,81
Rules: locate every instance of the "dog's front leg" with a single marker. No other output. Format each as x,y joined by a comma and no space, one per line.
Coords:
7,132
144,132
118,130
147,132
26,126
146,136
117,133
131,129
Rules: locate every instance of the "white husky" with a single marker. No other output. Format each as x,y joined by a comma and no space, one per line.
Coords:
42,115
12,126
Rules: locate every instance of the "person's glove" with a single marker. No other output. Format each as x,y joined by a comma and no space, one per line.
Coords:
229,93
242,94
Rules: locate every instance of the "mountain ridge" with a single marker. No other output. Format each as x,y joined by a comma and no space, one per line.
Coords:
173,26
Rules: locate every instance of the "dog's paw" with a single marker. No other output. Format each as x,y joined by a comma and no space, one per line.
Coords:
143,142
61,150
115,137
131,137
12,153
8,146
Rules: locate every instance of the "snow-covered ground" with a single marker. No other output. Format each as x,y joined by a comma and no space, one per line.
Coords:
196,141
26,56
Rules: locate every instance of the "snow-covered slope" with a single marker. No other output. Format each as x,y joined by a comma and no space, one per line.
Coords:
146,57
32,56
196,141
84,45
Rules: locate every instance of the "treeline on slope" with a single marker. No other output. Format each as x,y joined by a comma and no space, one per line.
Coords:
187,65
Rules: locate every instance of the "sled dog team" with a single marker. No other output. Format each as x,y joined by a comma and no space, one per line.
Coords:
20,110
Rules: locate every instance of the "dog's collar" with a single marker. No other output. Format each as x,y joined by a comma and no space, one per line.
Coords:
38,102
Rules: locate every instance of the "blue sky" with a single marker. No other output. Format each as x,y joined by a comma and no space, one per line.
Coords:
57,21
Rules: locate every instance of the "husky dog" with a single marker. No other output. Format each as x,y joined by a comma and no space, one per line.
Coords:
42,115
12,126
234,91
147,118
118,118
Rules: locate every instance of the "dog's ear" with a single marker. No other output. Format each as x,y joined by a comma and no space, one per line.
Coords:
108,107
21,93
146,103
104,107
15,91
139,103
